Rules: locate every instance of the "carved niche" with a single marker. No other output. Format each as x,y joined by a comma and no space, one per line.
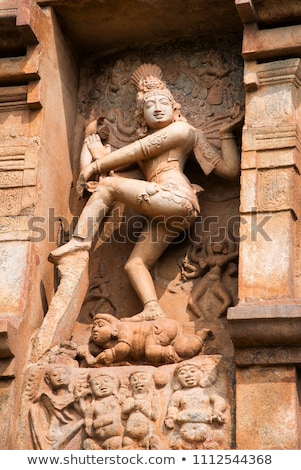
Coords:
162,383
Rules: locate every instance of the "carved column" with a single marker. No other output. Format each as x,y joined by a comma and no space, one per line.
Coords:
266,324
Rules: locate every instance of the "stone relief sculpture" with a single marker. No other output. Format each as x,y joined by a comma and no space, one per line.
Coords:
165,197
109,398
55,416
159,341
98,297
195,415
140,410
125,407
209,269
102,415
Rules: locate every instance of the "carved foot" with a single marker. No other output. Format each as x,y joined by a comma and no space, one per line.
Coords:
73,246
151,311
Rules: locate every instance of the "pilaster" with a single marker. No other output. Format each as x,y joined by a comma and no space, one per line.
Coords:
37,103
265,326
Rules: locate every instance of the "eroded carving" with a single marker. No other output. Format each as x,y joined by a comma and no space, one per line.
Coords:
140,410
55,418
103,414
209,267
128,407
195,414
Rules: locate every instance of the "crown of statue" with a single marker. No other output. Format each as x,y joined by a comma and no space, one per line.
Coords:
148,80
148,77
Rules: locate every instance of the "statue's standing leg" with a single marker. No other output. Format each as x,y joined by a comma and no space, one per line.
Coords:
152,242
166,219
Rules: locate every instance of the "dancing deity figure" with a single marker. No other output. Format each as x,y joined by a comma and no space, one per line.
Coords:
165,197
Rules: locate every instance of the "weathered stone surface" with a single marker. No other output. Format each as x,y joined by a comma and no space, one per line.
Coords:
55,74
262,388
129,407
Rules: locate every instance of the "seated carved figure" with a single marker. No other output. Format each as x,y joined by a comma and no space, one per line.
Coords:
102,417
195,415
160,341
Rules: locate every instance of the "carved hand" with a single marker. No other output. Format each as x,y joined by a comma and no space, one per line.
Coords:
106,357
232,123
89,170
83,351
96,147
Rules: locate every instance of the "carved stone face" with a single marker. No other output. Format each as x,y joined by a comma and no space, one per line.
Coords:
140,382
101,332
158,111
58,377
189,376
102,386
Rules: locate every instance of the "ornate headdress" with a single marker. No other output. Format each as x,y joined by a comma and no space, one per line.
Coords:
148,80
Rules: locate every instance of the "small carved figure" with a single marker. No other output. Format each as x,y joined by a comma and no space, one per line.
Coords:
55,417
140,410
211,269
166,196
159,341
102,416
195,415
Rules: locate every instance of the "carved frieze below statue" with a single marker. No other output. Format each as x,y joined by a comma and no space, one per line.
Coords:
172,406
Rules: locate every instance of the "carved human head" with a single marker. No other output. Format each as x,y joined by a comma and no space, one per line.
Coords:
102,384
188,375
140,381
104,328
57,376
217,247
150,86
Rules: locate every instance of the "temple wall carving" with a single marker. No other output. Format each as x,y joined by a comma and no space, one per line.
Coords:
150,225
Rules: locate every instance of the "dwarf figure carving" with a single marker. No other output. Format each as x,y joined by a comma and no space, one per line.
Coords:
195,414
102,417
161,341
140,410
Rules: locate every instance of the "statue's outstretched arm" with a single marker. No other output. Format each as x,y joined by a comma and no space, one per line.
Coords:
177,134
